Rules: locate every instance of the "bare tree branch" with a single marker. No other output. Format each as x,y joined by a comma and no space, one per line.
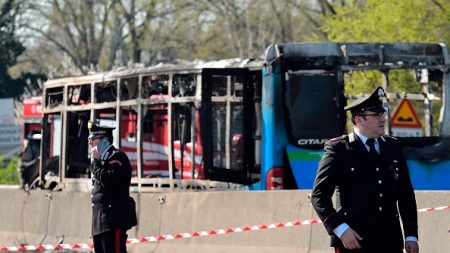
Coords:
326,7
58,44
438,4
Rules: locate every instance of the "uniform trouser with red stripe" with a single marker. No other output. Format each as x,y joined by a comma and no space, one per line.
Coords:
344,250
113,241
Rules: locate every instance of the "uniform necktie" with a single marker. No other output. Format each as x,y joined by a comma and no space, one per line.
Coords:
372,151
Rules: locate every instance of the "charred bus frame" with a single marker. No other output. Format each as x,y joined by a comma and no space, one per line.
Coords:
192,89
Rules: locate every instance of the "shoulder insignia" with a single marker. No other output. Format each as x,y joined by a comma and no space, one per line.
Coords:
388,137
115,162
342,137
351,137
115,151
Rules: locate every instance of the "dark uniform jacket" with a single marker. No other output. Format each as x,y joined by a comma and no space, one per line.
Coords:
112,206
367,192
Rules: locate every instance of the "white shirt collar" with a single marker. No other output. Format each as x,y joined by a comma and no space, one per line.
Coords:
364,138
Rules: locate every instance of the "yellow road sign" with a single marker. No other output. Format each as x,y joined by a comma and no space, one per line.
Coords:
405,116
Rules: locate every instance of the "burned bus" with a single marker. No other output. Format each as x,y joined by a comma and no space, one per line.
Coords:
182,126
242,124
304,94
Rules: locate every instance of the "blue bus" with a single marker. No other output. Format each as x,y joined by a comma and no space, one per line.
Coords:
303,97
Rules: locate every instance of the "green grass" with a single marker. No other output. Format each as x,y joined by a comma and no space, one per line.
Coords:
9,174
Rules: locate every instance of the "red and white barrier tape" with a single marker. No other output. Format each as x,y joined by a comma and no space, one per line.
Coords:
224,231
430,209
49,247
187,235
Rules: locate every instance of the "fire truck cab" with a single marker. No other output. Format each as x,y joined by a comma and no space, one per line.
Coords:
31,141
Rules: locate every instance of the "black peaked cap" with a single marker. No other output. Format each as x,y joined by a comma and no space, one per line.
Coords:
373,103
96,130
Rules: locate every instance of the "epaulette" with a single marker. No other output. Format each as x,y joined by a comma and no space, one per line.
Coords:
115,151
335,139
115,161
351,137
387,137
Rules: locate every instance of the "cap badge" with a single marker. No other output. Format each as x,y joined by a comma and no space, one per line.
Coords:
380,93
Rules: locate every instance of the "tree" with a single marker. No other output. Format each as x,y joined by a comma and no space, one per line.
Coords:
84,35
77,29
76,36
10,49
155,31
388,21
402,20
142,25
242,28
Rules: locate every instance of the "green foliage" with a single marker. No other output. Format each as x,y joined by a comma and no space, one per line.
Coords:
10,174
10,49
388,21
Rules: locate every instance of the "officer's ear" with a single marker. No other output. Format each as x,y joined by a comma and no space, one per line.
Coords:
352,119
359,119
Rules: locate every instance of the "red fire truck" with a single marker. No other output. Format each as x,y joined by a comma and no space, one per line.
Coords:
31,140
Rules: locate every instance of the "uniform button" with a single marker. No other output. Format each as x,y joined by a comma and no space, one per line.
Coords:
377,169
380,182
345,213
109,206
92,204
92,196
381,195
381,209
352,169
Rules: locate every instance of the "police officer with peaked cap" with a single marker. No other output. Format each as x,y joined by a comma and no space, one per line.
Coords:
368,173
113,210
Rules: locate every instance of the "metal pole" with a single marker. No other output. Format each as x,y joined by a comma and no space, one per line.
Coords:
169,122
228,125
118,113
193,137
62,161
426,102
445,109
140,158
385,83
